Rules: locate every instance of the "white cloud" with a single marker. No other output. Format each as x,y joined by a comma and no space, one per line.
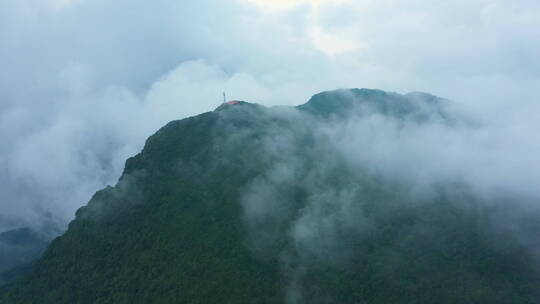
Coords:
84,82
62,4
289,4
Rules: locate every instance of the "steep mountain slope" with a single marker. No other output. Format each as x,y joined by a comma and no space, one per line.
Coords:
248,204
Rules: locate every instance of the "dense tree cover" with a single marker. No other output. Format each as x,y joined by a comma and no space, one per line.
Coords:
174,228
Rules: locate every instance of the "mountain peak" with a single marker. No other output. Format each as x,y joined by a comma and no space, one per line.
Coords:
249,204
234,103
345,102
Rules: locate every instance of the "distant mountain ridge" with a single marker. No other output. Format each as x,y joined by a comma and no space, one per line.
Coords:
249,204
19,248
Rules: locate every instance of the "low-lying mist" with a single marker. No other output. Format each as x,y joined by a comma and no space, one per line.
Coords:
410,171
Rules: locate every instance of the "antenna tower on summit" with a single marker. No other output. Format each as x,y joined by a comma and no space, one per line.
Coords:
224,97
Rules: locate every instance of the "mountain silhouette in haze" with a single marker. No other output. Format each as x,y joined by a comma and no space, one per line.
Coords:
18,249
250,204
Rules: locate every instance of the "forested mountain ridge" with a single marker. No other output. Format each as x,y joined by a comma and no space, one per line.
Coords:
249,204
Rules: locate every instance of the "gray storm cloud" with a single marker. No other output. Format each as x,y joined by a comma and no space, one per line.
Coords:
83,83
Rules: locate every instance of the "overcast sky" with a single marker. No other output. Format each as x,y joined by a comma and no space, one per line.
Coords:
84,82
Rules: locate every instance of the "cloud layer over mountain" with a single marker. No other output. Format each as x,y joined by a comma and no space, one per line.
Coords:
84,82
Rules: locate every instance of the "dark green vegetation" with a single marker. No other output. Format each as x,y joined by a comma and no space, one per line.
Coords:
248,204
